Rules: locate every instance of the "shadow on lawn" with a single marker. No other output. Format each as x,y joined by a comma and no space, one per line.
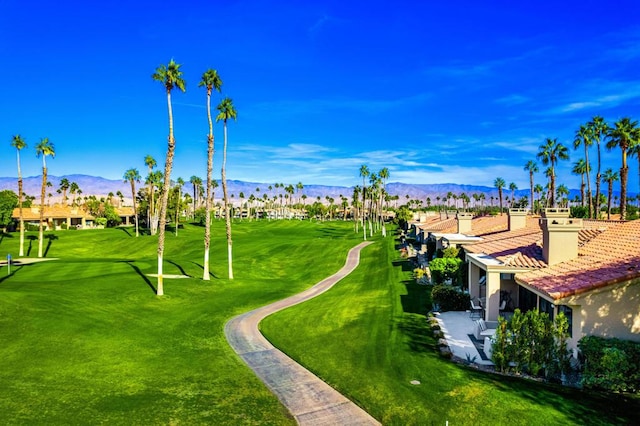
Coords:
126,231
182,271
14,270
586,407
4,235
416,328
211,274
417,300
50,237
139,272
31,239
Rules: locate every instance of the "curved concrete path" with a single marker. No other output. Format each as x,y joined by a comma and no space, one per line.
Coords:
309,399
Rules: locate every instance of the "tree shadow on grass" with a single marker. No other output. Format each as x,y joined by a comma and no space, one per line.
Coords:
182,271
50,237
4,235
125,230
139,272
31,239
211,274
416,328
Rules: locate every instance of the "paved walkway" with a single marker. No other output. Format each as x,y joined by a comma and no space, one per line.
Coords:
456,327
310,400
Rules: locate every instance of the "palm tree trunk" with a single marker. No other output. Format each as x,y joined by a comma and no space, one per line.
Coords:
21,253
609,200
227,216
165,197
41,228
596,213
582,194
531,186
207,221
624,170
586,156
135,210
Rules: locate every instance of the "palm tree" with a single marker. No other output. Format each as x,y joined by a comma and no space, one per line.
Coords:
624,135
538,190
179,185
499,183
210,80
562,192
132,176
43,148
73,189
513,188
635,152
364,172
584,137
610,176
531,167
550,152
226,112
18,143
599,129
171,77
150,162
64,187
581,168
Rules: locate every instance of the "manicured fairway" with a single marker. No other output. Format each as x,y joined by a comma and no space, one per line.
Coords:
84,339
368,337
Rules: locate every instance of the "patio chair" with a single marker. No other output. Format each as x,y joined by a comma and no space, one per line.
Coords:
476,311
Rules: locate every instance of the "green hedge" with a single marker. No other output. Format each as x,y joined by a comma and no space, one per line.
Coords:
610,364
449,298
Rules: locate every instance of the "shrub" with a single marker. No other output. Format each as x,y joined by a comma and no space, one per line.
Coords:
450,252
531,342
449,298
610,364
63,225
445,268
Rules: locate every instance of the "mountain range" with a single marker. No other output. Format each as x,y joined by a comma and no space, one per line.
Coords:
101,187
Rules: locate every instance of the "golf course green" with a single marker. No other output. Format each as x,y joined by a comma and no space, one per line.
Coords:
85,340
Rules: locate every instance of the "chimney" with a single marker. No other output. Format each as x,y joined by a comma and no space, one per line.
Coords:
443,215
517,219
464,222
559,236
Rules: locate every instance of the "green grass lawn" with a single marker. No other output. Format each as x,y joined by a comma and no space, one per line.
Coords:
368,337
85,340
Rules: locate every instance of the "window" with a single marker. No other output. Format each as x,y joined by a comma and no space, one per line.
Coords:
506,276
527,300
546,306
568,312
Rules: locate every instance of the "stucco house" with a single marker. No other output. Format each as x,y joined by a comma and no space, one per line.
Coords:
588,269
57,215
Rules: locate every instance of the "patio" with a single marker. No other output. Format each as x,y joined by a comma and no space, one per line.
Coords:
457,326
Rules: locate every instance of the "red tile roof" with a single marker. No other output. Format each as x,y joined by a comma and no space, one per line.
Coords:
611,256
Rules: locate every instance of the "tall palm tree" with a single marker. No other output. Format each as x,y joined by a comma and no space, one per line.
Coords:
211,81
499,183
132,176
226,112
538,190
599,129
610,176
171,77
584,137
44,148
550,152
18,143
150,162
562,193
73,189
364,172
531,167
581,168
624,135
635,152
513,188
179,185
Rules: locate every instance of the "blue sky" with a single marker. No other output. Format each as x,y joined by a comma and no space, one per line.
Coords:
438,92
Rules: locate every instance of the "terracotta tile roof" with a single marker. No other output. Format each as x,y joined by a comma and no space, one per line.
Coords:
611,256
444,226
482,225
517,248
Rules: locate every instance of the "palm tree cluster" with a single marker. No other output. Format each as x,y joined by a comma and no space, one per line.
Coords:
370,202
623,135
